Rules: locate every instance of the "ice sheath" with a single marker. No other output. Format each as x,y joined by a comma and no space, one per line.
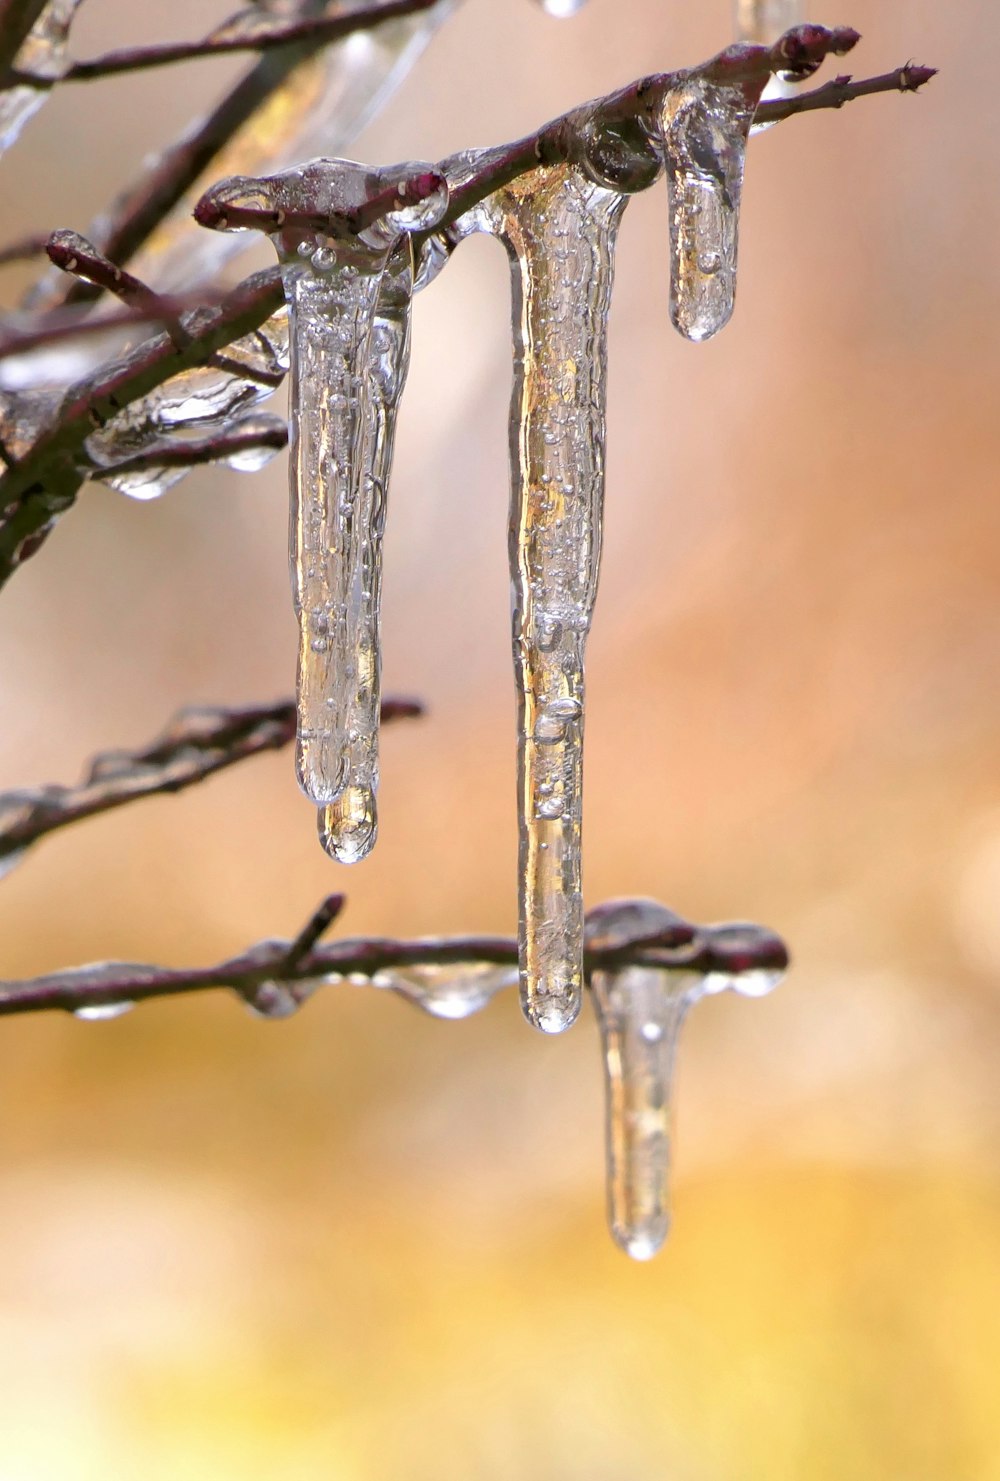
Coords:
559,229
349,352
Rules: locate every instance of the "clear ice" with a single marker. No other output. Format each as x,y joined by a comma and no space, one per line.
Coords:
705,122
559,228
43,54
561,9
640,1011
349,301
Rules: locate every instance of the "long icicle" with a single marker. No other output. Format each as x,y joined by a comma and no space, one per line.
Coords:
559,229
640,1012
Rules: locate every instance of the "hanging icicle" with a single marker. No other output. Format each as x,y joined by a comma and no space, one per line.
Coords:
640,1011
705,122
559,228
349,293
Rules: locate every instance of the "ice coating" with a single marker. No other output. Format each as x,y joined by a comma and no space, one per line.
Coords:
705,123
640,1011
559,229
43,55
349,300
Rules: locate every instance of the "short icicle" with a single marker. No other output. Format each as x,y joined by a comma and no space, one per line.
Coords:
640,1012
705,123
559,229
349,300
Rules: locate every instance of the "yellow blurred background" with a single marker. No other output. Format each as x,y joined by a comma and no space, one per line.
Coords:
366,1246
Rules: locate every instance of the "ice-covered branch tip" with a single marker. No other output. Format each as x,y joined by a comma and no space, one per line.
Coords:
448,976
196,744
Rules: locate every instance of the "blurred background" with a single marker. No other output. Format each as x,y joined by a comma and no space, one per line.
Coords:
367,1246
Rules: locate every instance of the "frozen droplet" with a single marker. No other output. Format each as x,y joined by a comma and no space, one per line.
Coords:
348,826
98,1012
272,998
705,124
449,990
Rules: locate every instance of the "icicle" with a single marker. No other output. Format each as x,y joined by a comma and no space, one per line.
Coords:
761,22
349,299
705,123
43,54
454,990
640,1012
559,228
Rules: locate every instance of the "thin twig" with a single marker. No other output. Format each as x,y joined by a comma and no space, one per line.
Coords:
841,90
196,744
67,324
23,249
259,974
321,30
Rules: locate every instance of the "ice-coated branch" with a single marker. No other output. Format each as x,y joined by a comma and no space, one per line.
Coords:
196,744
447,976
265,35
44,482
67,324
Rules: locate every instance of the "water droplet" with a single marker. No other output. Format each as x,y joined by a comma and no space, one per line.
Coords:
99,1012
348,826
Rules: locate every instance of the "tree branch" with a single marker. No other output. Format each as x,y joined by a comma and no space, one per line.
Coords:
319,31
275,977
196,744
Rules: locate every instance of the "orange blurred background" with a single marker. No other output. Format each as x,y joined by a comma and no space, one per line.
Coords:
367,1246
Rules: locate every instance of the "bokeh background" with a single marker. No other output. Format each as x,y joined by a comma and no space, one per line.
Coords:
366,1246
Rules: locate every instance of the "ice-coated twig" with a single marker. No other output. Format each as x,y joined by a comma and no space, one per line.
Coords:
641,1008
44,481
265,35
276,976
341,234
196,744
319,94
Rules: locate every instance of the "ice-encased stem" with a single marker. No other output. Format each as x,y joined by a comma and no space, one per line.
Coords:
559,230
350,343
640,1012
705,125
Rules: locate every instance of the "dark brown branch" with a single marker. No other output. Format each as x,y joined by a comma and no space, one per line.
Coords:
843,90
320,30
23,249
196,744
267,974
250,434
68,324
